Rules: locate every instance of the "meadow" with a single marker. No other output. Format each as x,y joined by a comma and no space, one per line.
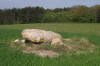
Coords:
10,57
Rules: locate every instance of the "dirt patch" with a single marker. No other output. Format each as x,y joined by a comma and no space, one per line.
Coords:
43,53
75,45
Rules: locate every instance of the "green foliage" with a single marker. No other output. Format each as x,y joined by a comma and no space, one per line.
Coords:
82,14
79,13
63,16
98,13
57,10
21,16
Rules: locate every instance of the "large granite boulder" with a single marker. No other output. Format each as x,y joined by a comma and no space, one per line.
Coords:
39,36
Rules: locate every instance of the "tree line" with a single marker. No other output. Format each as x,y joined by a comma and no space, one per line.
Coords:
75,14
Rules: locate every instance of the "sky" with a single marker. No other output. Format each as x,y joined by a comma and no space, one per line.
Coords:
51,4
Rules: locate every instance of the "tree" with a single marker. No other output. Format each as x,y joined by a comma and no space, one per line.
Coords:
72,9
81,14
48,11
57,10
1,17
98,13
63,16
66,9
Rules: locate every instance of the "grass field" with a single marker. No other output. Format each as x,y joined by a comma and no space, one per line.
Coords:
10,57
84,28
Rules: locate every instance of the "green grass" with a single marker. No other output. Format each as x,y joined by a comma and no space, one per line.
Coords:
9,57
84,28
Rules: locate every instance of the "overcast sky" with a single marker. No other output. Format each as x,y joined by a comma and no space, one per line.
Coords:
46,3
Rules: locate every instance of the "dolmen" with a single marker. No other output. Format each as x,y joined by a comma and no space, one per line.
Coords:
42,36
